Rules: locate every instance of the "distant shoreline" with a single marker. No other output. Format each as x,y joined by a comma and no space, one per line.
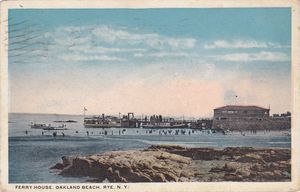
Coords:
174,116
19,113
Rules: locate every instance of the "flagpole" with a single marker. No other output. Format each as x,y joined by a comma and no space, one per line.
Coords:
84,110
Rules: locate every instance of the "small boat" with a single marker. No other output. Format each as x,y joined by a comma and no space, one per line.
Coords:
54,128
62,127
47,126
39,125
67,121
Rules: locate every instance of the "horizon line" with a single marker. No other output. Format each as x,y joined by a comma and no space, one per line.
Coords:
33,113
177,116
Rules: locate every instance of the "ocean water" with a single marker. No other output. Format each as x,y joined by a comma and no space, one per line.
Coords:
32,153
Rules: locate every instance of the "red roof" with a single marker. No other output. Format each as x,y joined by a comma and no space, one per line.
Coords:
241,107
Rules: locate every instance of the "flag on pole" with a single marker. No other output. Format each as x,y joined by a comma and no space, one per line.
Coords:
235,99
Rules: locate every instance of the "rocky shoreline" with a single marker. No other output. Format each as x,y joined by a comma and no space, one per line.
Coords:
179,164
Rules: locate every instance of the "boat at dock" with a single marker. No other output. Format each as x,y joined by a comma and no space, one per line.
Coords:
101,122
165,126
102,125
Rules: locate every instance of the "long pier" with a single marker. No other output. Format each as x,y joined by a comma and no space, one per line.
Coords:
154,121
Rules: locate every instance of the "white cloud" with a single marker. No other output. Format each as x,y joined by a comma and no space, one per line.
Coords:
88,43
76,57
242,44
163,54
101,49
247,57
278,46
154,40
138,55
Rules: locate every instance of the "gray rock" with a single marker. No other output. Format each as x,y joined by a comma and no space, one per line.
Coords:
180,164
57,166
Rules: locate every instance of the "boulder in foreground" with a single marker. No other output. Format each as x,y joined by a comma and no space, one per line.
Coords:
129,166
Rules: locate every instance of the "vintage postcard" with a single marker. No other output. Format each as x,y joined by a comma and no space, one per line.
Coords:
150,95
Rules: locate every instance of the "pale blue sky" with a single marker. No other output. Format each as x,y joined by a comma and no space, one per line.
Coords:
66,59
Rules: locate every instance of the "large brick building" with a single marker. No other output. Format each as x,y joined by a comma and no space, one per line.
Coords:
240,117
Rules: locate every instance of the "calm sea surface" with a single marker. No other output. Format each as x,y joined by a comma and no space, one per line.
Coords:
33,151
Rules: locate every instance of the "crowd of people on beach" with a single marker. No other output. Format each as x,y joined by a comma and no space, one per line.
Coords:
124,131
159,132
